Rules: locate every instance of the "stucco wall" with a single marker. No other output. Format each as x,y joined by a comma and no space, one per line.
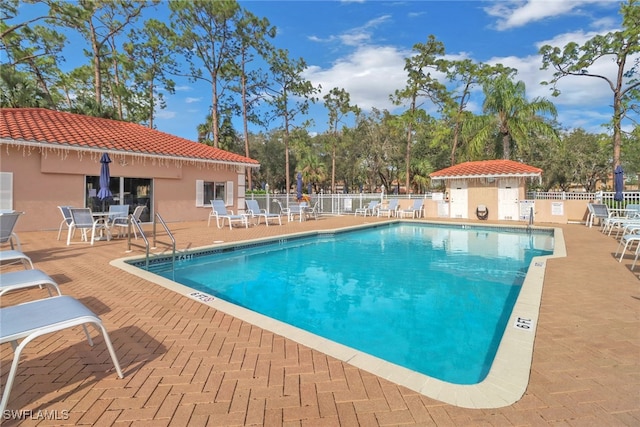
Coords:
45,179
545,211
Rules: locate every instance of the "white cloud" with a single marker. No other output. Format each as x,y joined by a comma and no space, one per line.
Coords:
518,13
370,75
165,114
356,36
190,100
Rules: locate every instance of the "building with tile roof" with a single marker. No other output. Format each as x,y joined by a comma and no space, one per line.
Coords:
51,158
487,189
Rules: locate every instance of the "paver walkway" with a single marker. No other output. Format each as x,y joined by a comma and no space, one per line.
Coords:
186,364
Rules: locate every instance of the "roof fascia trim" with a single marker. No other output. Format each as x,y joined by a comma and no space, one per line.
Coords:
44,145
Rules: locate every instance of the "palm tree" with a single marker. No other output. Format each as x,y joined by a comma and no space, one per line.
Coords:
510,117
313,170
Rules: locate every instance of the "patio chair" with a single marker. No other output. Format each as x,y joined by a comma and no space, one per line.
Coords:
390,210
66,218
30,320
122,223
83,220
220,213
8,222
12,256
299,209
253,209
16,280
597,211
314,211
415,211
369,209
283,210
117,213
627,241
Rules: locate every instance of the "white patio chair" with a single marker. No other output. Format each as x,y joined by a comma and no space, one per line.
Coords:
220,213
283,210
299,209
8,222
30,320
369,209
122,223
415,211
253,209
83,220
390,210
66,218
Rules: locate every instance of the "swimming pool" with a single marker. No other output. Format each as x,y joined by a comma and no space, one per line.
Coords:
357,282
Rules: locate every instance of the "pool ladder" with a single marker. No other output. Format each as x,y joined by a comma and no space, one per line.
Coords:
157,218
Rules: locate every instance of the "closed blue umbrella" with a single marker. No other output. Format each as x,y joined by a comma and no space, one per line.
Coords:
299,186
104,193
618,183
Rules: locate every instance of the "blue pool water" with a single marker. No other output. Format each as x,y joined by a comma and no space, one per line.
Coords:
433,299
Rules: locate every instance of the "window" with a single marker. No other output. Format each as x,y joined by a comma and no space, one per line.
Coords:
126,191
207,191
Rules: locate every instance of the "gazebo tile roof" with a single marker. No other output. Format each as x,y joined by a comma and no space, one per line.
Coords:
60,129
487,168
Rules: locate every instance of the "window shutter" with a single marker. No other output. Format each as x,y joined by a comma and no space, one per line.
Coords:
199,193
229,192
6,190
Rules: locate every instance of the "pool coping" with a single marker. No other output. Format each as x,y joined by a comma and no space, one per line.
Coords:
507,379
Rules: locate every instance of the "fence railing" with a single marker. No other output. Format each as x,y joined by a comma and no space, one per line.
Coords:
606,197
337,204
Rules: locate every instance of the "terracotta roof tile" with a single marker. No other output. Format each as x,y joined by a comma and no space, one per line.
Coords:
487,168
59,129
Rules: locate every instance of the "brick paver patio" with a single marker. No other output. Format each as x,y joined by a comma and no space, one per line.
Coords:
188,364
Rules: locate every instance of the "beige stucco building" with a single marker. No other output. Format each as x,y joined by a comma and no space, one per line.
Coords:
499,186
51,158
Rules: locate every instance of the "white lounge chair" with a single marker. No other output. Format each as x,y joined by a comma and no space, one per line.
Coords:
83,220
367,210
415,211
220,213
12,256
16,280
33,319
253,209
390,210
627,241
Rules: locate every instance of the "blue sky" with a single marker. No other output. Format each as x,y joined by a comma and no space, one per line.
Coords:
361,46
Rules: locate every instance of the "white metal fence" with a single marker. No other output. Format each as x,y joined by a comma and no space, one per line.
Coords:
337,204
